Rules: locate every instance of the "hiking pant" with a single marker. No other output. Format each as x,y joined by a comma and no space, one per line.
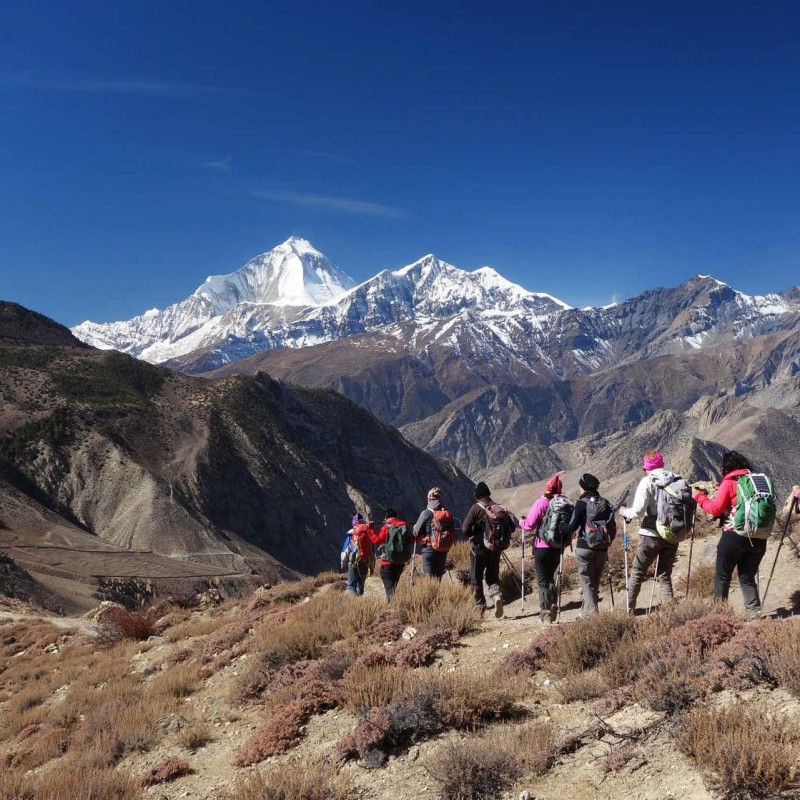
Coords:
433,562
390,577
546,560
356,576
744,554
647,550
590,573
484,563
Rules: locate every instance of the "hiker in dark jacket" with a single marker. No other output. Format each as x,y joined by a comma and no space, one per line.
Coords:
590,561
482,562
433,562
735,550
390,572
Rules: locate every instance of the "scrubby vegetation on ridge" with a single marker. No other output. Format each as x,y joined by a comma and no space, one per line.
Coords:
111,721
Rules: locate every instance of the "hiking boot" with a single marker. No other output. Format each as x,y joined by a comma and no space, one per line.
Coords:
553,613
498,607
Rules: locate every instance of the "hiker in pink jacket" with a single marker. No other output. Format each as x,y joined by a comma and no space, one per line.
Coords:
546,557
735,550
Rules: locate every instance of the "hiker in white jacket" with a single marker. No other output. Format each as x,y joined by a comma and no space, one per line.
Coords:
650,546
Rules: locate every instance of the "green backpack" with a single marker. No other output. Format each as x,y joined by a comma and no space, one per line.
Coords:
399,543
755,506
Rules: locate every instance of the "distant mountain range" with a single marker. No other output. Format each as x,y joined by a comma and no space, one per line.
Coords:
470,366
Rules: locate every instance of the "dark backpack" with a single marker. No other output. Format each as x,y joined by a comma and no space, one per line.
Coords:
755,506
600,528
443,533
558,511
399,543
498,527
675,508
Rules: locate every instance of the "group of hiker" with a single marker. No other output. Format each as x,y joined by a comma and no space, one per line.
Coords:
663,501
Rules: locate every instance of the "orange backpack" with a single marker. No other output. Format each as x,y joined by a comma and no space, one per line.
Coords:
360,541
443,534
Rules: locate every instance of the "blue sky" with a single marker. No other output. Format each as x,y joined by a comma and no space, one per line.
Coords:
591,150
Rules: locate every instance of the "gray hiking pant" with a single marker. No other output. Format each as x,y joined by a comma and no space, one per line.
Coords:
590,572
648,550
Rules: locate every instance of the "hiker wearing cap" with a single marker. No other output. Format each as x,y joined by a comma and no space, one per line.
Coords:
355,556
650,547
483,563
546,556
589,556
428,532
735,550
395,543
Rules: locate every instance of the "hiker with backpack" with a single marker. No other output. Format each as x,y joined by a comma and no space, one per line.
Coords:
547,512
663,500
356,555
434,530
747,501
395,542
593,518
488,526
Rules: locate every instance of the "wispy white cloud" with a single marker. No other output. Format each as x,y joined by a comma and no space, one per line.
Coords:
345,204
223,164
125,86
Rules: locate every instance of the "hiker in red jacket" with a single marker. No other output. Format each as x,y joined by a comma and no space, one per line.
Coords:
390,570
734,550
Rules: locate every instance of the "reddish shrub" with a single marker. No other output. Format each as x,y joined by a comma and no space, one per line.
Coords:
533,657
167,770
119,624
706,633
421,650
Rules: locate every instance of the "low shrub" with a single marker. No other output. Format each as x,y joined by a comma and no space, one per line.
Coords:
587,642
194,736
120,623
309,780
420,651
486,765
619,757
780,651
168,769
533,657
743,752
281,731
77,779
372,681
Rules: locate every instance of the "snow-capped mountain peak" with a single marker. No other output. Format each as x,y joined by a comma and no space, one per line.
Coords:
294,273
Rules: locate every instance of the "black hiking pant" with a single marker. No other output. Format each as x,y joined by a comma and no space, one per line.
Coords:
433,562
743,554
484,563
390,577
546,560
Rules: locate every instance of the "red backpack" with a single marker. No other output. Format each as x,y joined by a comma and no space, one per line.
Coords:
443,534
360,541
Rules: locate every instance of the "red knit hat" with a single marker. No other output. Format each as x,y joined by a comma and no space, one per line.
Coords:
554,484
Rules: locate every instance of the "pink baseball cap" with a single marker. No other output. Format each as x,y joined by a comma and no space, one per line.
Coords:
652,460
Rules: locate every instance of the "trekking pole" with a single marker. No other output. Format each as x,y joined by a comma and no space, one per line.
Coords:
793,507
653,587
523,571
611,588
413,562
513,571
691,547
625,551
560,581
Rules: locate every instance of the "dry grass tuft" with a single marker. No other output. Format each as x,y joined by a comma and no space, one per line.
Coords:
780,651
619,757
585,686
701,581
314,780
743,752
482,767
587,642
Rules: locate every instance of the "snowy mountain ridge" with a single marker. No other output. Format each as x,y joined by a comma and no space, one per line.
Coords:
293,296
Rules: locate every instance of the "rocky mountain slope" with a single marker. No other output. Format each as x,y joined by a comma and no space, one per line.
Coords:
244,476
